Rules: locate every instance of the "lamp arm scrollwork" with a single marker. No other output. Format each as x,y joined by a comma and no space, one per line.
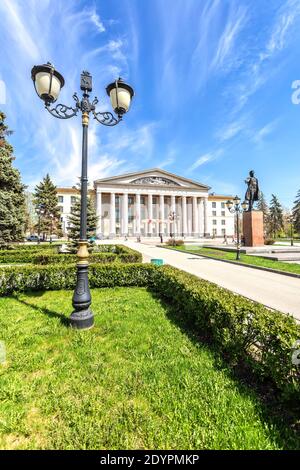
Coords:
106,118
61,111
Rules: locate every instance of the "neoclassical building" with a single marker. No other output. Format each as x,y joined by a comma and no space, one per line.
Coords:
152,202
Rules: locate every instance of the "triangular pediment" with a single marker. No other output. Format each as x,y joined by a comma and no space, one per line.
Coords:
154,177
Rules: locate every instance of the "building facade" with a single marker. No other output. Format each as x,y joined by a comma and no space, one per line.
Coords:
153,202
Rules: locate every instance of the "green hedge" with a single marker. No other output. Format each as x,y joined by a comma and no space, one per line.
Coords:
246,331
23,256
116,253
56,277
243,330
31,248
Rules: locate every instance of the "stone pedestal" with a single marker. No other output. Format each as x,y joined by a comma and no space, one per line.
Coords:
253,228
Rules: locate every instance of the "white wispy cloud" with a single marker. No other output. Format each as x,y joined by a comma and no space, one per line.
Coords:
260,70
206,47
95,18
207,157
265,131
231,130
48,144
226,45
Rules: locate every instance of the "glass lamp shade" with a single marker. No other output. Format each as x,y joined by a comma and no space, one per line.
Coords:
237,200
47,82
245,205
229,204
120,96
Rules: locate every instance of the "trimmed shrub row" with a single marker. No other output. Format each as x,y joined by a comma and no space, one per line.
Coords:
243,330
116,253
29,247
102,258
56,277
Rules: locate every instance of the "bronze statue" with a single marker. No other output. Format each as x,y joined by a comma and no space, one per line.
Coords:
252,193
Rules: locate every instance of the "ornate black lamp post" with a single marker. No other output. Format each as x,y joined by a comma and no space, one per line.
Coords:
235,207
48,83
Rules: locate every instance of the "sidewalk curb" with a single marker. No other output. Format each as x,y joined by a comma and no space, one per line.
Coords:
260,268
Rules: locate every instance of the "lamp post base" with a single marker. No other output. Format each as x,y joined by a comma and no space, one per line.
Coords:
82,319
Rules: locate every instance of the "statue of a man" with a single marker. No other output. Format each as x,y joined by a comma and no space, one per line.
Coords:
252,193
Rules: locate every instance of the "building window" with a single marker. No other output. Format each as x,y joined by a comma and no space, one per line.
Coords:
223,222
214,205
223,213
214,222
214,213
223,205
61,209
223,231
60,199
73,200
214,232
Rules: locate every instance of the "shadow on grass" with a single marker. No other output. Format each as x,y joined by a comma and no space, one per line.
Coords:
280,416
50,313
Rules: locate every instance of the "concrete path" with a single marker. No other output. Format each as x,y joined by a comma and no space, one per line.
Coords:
273,290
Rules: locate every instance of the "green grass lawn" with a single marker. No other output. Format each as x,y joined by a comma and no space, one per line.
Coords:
247,259
139,379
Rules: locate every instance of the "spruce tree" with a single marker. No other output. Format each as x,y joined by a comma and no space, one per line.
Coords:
74,222
275,216
12,192
296,213
45,196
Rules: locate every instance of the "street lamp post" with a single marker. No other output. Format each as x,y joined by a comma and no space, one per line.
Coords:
48,83
235,207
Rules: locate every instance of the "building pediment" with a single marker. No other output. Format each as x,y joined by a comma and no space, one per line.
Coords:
154,177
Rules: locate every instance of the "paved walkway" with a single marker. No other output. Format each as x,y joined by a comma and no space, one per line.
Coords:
273,290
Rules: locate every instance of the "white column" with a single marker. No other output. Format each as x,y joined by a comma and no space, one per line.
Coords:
205,217
189,218
161,213
125,214
137,215
184,220
99,214
201,217
112,216
150,215
195,218
173,209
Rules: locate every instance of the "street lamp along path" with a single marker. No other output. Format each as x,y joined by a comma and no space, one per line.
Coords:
48,82
235,207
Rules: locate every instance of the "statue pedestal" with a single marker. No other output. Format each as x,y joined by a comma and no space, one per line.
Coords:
253,228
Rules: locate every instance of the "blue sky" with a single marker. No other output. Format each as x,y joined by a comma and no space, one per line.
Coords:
213,82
